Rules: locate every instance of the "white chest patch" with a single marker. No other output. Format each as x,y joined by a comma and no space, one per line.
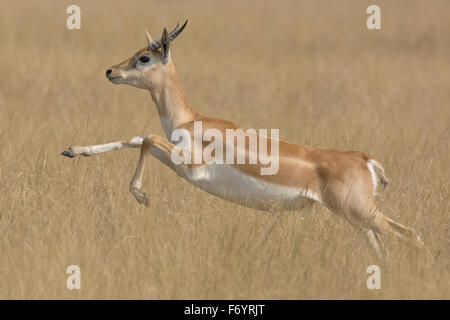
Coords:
231,184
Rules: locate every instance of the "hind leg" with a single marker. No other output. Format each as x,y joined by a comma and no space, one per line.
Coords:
373,224
362,213
354,198
372,237
386,226
375,242
369,217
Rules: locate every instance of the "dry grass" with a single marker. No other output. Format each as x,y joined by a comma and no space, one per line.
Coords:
310,68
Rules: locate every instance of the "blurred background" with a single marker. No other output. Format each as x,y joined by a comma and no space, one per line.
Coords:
310,68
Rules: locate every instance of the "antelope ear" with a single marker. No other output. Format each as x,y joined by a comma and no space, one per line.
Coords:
165,45
149,38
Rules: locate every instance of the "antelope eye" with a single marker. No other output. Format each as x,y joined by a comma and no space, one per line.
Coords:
144,59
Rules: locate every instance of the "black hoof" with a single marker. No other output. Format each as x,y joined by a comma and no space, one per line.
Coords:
68,153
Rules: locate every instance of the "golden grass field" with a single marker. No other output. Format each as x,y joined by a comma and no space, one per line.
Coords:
310,68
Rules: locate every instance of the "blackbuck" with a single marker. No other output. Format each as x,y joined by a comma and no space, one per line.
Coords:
343,181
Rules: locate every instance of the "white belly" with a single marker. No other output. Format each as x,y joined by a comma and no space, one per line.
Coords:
231,184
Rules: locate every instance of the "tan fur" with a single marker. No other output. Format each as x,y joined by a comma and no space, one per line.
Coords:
340,179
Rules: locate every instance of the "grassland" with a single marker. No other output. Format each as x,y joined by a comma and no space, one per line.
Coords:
310,68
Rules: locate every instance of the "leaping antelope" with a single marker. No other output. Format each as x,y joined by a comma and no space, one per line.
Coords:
343,181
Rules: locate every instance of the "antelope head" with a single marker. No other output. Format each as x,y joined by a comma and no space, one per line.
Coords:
147,67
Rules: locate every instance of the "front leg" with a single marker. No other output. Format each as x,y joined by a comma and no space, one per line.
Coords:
161,149
86,151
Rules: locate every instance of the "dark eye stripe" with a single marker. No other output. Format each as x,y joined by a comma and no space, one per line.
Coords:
144,59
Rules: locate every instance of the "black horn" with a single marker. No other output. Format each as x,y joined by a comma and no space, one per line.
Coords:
175,32
155,45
